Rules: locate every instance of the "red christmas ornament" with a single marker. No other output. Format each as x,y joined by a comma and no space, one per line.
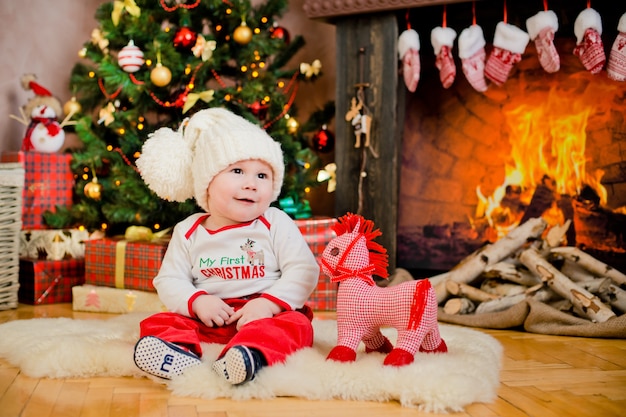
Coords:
279,32
323,140
259,110
185,38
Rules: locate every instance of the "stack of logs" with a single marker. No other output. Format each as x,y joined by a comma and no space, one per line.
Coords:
523,264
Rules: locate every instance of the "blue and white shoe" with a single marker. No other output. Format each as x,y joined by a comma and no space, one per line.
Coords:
240,364
163,359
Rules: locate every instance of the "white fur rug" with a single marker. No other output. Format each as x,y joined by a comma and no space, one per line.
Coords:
468,373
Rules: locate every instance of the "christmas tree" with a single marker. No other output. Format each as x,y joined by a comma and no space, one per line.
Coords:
151,64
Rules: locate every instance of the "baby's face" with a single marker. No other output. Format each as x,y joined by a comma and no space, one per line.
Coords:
240,193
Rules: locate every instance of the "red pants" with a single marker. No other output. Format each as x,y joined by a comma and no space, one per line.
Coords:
275,337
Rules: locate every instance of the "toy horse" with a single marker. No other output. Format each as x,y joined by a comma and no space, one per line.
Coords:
352,258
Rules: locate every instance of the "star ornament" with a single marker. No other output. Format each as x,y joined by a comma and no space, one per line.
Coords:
98,39
329,173
204,48
106,114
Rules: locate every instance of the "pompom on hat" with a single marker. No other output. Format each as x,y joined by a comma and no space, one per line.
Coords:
178,165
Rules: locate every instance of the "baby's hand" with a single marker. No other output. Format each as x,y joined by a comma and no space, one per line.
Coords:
259,308
212,310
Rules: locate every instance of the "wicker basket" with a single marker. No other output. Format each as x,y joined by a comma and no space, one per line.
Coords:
11,186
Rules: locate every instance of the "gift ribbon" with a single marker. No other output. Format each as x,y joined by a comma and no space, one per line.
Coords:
120,260
192,98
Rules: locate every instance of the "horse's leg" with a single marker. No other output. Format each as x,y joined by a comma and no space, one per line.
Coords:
375,341
433,343
404,352
348,340
422,330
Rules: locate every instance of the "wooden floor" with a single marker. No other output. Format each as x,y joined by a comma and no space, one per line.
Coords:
543,376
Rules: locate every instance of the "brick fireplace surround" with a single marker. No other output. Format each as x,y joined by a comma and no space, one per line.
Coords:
437,145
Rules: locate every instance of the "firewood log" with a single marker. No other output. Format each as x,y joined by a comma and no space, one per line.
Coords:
576,272
464,290
511,272
565,203
542,199
459,306
502,289
555,236
504,303
472,266
607,291
592,264
590,305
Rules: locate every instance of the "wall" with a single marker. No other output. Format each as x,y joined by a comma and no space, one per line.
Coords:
44,37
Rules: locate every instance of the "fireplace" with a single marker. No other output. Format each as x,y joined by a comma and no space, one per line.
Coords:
463,152
458,148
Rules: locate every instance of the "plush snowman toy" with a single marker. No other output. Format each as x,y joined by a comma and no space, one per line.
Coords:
44,133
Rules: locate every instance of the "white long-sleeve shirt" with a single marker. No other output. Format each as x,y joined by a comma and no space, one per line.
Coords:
267,256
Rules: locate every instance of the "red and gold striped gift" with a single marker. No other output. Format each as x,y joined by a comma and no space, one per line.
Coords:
48,282
118,263
318,233
48,182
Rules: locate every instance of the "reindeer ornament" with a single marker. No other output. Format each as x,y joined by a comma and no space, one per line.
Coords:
351,259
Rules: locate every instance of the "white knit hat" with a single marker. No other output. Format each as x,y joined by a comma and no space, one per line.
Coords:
180,165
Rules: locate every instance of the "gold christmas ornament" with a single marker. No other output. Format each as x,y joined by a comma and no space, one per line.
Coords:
242,34
292,125
93,189
72,106
160,75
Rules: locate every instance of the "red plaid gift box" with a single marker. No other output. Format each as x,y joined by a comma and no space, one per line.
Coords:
318,233
118,263
48,282
48,182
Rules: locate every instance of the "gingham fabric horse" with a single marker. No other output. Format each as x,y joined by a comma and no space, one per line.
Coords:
352,258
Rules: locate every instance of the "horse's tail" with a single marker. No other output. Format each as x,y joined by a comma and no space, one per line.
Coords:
423,298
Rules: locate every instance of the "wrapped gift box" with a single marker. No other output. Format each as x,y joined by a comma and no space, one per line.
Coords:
114,300
48,282
118,263
48,182
318,233
53,244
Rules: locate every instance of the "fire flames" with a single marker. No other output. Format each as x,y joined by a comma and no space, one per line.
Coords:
547,138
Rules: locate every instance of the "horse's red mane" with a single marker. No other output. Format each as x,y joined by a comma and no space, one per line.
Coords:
378,254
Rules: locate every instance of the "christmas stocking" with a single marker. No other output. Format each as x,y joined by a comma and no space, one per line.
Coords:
541,28
509,43
589,47
442,39
472,54
616,67
408,51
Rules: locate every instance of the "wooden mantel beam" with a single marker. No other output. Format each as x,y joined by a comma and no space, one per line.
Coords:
328,10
